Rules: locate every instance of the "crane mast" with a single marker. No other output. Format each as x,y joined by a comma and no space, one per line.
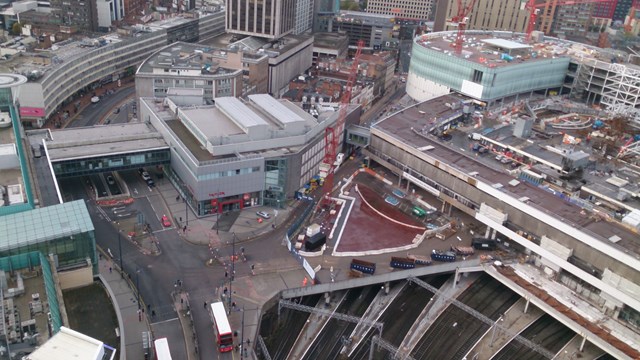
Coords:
461,18
333,133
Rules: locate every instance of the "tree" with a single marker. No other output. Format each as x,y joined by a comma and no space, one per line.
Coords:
349,5
16,29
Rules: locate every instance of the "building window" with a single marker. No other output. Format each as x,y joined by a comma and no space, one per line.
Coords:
477,76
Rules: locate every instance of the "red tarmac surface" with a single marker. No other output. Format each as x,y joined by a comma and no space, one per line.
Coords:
366,230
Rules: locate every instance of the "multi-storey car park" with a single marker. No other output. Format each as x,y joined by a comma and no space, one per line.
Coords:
183,65
597,259
496,67
70,67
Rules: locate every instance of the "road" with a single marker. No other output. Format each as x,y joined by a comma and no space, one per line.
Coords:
92,114
179,260
405,55
376,111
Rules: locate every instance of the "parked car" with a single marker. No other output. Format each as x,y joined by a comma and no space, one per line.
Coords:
150,182
95,99
165,221
111,180
145,176
263,214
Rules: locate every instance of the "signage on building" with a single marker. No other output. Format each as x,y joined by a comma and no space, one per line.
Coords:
31,111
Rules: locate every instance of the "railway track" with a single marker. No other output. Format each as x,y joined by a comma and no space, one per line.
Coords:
331,339
399,317
455,331
277,331
546,331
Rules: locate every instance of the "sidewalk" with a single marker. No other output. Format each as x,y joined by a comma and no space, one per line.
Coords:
124,301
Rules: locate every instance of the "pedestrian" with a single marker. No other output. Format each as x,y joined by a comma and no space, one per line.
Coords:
153,313
226,274
139,315
110,269
205,304
184,229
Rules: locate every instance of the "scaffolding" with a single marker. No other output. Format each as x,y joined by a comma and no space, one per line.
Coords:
622,96
613,85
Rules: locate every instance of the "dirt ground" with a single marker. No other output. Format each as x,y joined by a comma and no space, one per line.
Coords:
95,318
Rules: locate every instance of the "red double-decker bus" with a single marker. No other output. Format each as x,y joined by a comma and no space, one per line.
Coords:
224,336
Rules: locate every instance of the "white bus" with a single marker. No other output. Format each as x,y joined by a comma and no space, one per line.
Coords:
162,349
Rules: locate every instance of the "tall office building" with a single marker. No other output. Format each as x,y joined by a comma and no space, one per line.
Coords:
504,15
78,14
406,9
304,16
604,9
323,13
263,18
622,9
571,20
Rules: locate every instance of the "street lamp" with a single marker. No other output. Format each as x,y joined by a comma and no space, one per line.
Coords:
120,249
242,336
138,286
186,210
233,268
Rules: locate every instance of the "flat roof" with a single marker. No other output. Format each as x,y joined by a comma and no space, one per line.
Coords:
505,44
275,108
86,142
44,224
238,111
408,127
212,122
69,344
480,48
260,46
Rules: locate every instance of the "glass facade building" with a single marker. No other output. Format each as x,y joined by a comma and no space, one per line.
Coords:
64,230
80,167
433,66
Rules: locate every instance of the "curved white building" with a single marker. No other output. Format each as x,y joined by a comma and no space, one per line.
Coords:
492,66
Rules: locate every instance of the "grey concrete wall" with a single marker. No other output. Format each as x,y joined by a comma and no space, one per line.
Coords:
286,69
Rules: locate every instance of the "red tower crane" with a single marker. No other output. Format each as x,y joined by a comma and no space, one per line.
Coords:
461,18
534,8
333,133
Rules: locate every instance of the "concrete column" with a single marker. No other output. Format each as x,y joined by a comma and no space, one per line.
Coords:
327,299
584,340
526,306
456,277
493,235
486,233
386,288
